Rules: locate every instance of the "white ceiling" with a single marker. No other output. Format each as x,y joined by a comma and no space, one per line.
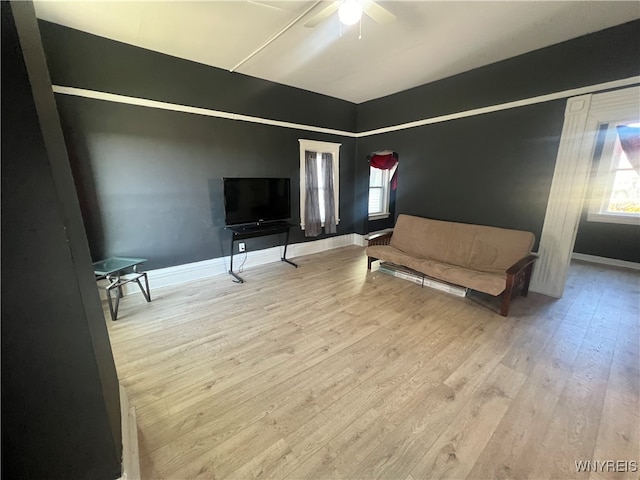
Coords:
428,41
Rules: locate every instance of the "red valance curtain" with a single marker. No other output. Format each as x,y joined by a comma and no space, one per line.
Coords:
386,161
630,142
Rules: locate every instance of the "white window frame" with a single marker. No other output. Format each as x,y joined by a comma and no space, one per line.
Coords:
604,183
320,147
387,175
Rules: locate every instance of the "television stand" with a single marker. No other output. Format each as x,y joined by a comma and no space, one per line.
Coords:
242,232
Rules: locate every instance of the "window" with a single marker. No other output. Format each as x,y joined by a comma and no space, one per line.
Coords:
379,193
616,192
320,148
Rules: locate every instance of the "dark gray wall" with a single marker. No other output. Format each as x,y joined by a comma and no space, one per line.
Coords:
149,180
77,59
609,240
494,169
150,183
60,399
603,56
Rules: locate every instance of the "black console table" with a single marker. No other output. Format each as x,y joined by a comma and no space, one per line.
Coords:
242,232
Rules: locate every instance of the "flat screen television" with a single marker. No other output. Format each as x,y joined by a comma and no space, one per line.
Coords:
256,200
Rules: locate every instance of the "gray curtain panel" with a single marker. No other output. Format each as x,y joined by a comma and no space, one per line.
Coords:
312,222
329,201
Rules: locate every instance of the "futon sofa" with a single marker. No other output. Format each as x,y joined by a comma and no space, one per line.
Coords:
492,260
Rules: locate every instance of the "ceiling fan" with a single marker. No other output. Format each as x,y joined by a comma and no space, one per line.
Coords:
350,12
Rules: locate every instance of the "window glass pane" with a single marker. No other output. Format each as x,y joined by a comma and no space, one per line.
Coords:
375,200
375,177
625,194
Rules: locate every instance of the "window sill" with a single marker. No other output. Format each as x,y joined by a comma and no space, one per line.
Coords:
608,218
379,216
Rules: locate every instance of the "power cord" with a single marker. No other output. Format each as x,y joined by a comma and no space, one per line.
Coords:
244,260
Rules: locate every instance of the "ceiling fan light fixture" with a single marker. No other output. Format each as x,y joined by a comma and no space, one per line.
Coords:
350,12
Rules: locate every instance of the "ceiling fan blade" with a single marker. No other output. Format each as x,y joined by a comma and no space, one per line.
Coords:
379,14
323,14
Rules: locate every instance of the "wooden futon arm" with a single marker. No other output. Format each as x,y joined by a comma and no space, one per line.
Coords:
518,278
379,239
521,264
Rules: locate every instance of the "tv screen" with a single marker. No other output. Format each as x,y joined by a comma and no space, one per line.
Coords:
256,200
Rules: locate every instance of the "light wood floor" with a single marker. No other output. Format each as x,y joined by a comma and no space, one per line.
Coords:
327,371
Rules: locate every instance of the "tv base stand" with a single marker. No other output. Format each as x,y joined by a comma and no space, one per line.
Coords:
243,232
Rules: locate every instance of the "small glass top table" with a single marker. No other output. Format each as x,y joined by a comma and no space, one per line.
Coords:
112,269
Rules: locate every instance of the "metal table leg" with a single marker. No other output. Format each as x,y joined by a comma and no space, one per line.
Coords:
284,255
231,272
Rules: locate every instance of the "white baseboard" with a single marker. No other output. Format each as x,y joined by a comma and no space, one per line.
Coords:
165,277
605,261
359,240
